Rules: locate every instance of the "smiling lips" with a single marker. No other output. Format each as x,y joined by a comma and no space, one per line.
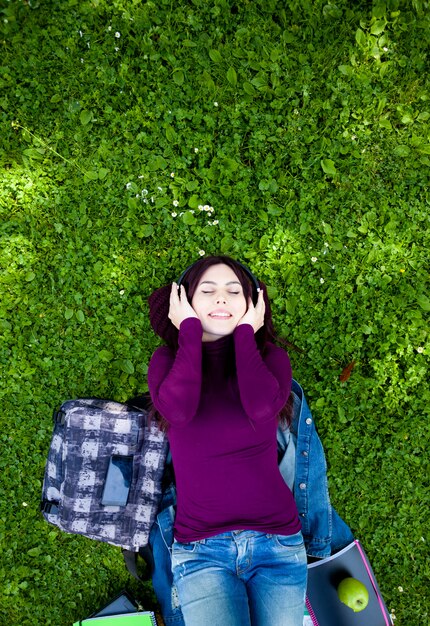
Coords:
220,315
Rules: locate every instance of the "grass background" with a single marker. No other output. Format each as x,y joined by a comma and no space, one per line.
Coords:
305,126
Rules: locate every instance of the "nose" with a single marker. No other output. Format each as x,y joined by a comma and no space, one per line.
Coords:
220,298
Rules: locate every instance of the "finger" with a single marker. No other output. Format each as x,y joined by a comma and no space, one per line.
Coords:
260,310
182,294
174,294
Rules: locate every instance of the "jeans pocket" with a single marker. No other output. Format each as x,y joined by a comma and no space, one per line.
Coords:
189,548
184,557
290,542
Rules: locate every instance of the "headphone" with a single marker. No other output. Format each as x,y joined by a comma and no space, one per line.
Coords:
255,283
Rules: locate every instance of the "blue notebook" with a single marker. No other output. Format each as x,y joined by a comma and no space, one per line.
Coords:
145,618
122,611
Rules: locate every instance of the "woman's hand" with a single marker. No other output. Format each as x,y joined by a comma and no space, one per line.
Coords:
180,309
255,314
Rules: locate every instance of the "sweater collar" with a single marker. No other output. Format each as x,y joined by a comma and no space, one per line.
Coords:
220,346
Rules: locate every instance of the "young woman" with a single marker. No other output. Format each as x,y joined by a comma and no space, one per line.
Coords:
221,386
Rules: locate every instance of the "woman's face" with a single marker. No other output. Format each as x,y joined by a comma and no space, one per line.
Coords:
219,301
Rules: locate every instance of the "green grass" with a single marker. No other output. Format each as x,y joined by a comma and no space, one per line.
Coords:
305,125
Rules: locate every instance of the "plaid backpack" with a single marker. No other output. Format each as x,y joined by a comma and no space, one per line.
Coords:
88,435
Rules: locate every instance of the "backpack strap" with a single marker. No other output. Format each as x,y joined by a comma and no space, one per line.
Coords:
131,560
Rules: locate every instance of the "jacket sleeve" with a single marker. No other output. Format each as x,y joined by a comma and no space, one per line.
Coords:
323,530
264,384
175,381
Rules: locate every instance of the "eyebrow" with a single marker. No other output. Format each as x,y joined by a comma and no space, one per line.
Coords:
212,282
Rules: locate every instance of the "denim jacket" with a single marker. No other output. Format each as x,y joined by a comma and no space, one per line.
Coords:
304,469
303,466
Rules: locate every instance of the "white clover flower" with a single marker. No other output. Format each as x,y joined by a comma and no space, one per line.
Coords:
116,49
175,203
322,281
215,104
109,28
202,252
152,199
174,214
160,188
200,207
314,259
385,49
400,588
326,244
215,222
82,60
420,349
122,292
206,207
128,185
172,174
141,176
81,33
196,150
144,192
117,35
24,504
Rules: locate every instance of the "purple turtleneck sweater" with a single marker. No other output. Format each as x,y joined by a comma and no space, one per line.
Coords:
221,400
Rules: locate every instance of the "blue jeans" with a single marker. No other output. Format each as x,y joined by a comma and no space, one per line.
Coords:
241,578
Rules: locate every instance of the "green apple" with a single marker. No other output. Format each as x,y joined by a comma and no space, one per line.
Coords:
353,593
